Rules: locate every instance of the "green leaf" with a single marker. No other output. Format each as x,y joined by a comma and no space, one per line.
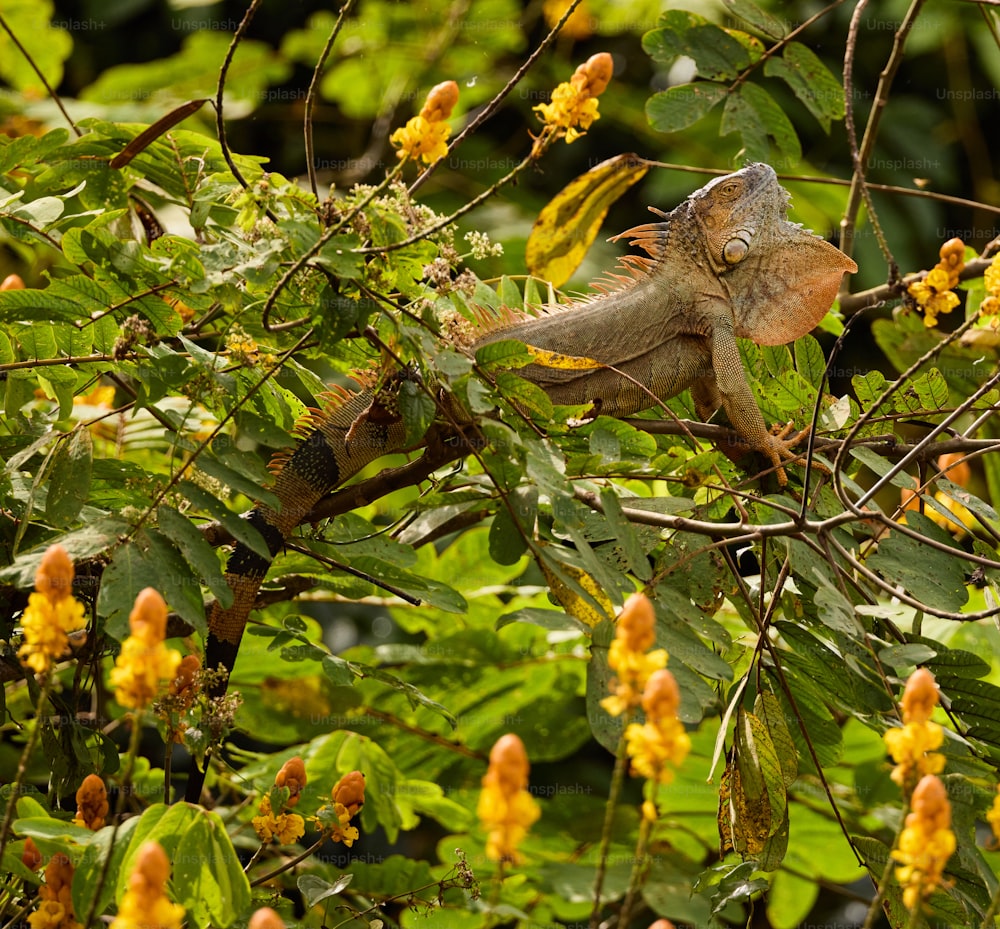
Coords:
69,479
239,528
48,46
417,409
717,54
196,551
208,877
315,890
809,360
501,355
635,554
757,18
683,105
931,576
753,113
525,395
810,81
513,525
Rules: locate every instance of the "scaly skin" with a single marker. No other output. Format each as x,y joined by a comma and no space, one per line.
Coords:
724,264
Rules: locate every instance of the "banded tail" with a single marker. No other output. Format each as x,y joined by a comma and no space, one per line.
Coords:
336,441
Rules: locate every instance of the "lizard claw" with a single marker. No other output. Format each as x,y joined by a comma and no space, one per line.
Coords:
780,449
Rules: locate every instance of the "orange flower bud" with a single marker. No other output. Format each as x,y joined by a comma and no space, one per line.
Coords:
152,868
148,619
953,252
440,102
12,282
509,764
91,803
266,918
31,857
293,776
661,698
184,678
350,791
662,924
596,71
930,803
636,623
54,577
920,696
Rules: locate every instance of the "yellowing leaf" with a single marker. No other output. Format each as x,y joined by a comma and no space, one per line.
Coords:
569,223
575,605
563,362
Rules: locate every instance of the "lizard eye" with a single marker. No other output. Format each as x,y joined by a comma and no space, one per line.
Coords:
729,189
735,251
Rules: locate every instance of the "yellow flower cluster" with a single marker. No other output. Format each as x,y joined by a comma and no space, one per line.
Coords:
426,135
145,904
934,293
634,633
52,612
573,108
348,797
506,809
991,303
283,827
661,741
91,803
144,661
55,906
912,746
926,842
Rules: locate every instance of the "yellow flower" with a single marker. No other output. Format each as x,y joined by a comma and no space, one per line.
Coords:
55,906
144,661
91,803
283,828
933,294
145,904
52,612
506,809
926,842
635,631
912,746
426,134
662,739
573,108
348,797
992,276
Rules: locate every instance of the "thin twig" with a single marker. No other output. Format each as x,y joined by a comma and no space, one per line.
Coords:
311,94
860,155
38,71
220,122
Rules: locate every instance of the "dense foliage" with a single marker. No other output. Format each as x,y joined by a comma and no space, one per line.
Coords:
186,302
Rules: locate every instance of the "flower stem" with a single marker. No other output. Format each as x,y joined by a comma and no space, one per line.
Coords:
617,780
639,867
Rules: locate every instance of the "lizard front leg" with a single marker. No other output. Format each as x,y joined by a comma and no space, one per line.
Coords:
731,391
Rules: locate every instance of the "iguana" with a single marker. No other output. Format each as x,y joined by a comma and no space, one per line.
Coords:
723,264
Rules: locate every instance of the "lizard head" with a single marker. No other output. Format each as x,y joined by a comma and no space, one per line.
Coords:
782,278
731,210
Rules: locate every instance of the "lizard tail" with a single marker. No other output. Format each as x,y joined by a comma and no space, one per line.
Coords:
336,441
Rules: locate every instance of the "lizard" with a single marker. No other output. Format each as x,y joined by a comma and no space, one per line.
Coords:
725,263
